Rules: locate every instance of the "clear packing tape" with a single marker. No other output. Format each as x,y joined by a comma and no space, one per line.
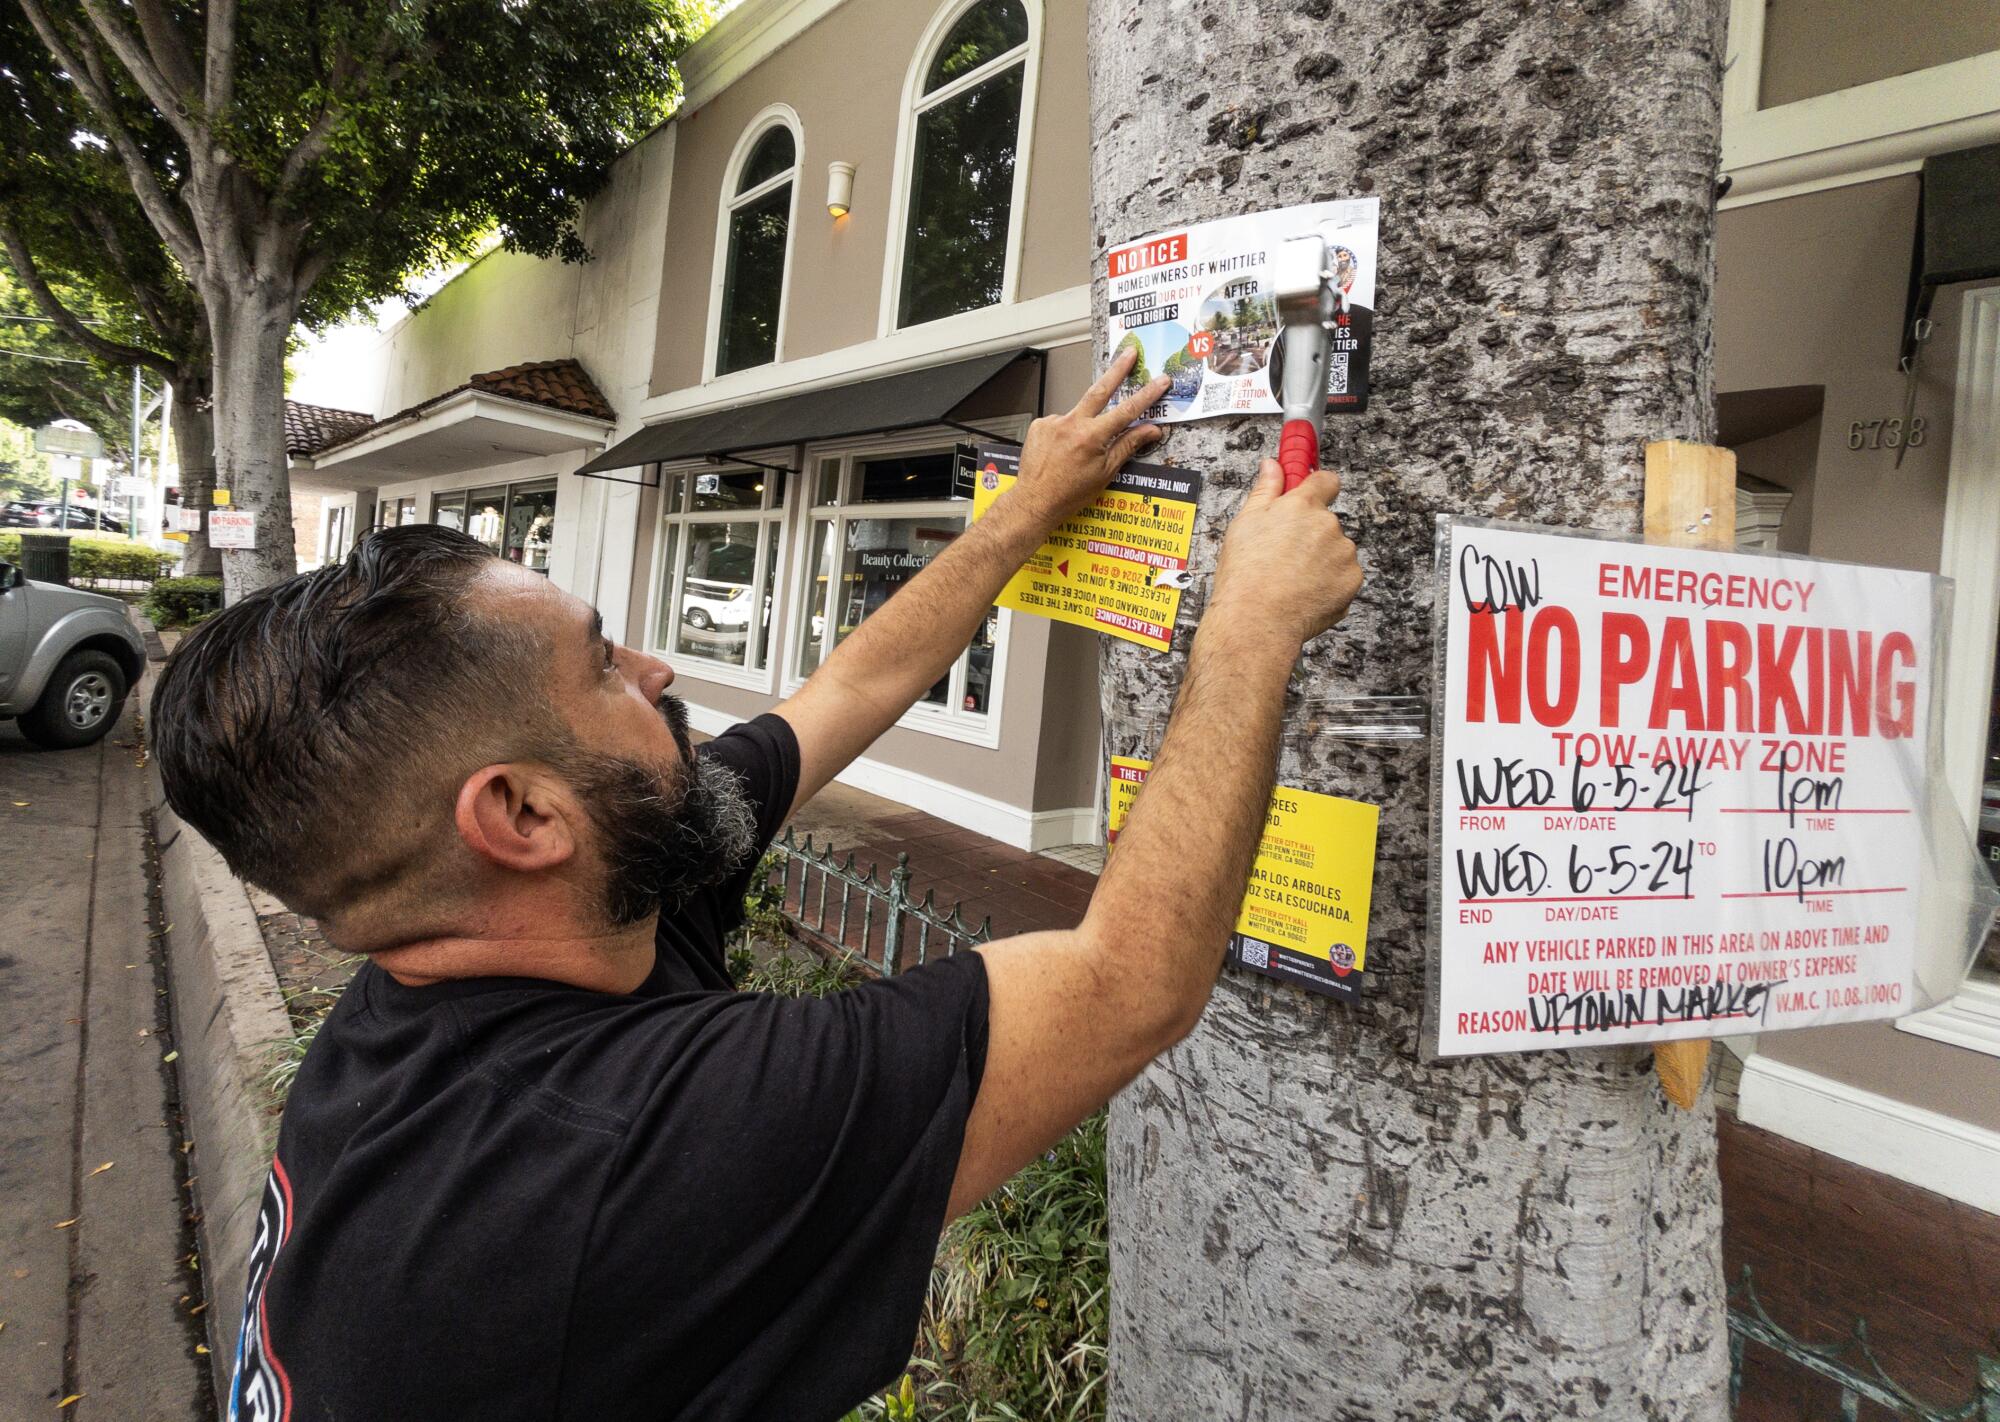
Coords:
1893,872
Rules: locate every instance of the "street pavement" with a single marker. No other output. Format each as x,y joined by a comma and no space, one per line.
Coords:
95,1291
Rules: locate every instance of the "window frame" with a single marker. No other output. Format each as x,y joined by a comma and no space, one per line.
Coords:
914,103
461,498
676,487
728,200
950,721
1970,557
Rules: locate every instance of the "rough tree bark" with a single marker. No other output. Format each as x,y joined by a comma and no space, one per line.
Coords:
1307,1221
250,329
194,452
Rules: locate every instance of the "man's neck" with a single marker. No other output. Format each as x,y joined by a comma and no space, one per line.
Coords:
615,961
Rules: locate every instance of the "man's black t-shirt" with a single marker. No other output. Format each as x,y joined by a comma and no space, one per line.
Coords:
508,1198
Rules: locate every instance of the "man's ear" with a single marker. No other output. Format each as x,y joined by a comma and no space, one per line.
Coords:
515,817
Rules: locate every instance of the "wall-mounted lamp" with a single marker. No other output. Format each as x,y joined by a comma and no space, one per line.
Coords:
839,187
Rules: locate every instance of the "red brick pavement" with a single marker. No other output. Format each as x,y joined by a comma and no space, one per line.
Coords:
1827,1241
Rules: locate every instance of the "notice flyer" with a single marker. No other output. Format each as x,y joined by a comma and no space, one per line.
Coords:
1305,915
1677,791
1119,566
1199,304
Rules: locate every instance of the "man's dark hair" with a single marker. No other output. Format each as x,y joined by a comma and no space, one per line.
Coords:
316,732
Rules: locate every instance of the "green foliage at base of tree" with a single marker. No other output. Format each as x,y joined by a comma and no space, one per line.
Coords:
182,602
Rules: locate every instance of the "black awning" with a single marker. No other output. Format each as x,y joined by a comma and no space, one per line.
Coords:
892,402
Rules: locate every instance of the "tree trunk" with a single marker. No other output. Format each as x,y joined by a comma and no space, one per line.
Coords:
250,330
194,452
1308,1221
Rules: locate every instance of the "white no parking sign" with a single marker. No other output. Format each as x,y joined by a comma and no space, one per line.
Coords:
1677,791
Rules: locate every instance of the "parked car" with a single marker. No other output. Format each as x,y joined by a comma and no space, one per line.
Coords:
67,660
50,515
20,513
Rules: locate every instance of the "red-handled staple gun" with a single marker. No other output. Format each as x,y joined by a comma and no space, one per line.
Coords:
1307,304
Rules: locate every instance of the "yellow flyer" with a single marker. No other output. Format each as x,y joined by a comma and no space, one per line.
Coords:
1117,567
1305,917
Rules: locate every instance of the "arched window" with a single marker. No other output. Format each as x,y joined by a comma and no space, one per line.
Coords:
757,227
965,128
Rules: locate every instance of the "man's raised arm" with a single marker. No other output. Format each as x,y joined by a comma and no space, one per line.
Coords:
902,648
1075,1015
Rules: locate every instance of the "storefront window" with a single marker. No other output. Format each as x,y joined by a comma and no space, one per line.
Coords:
720,554
880,519
486,515
962,165
517,521
531,523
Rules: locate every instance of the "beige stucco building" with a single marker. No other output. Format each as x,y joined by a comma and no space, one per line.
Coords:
729,303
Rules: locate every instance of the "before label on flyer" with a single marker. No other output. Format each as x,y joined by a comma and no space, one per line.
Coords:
1199,303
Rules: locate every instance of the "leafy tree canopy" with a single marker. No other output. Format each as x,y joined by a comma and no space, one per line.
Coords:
45,376
379,138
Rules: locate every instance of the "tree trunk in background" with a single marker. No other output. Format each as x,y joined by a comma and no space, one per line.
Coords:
194,453
250,330
1307,1221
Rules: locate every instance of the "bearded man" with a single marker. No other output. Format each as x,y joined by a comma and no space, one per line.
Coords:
541,1162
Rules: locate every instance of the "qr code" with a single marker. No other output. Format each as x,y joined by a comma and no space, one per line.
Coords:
1214,396
1336,375
1255,954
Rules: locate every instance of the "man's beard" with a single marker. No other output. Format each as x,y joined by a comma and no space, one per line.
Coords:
664,831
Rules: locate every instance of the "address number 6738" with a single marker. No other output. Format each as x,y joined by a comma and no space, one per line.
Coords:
1885,434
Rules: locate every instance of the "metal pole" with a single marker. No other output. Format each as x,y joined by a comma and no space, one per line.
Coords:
138,428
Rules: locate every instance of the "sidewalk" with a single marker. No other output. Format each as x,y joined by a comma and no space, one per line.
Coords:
98,1299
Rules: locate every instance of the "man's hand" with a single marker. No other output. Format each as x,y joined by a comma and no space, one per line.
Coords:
1068,459
1285,561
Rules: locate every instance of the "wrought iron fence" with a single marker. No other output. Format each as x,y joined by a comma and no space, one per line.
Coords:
824,895
1850,1364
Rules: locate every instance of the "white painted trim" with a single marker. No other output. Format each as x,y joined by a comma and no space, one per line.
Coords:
1854,135
1906,1142
1057,319
982,814
1743,77
913,101
728,200
469,404
1971,554
1971,559
749,34
1970,1020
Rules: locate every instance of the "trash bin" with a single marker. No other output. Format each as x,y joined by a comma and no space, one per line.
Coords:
45,557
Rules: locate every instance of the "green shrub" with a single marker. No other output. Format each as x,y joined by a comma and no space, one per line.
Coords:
177,602
118,558
93,557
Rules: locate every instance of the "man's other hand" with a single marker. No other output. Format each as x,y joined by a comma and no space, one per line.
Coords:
1068,459
1285,560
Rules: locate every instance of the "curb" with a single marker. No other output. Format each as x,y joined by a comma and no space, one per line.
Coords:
227,1014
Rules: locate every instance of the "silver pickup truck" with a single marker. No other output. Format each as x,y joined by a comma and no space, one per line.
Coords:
67,658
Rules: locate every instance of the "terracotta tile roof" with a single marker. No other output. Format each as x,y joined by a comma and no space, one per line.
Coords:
553,384
559,384
311,428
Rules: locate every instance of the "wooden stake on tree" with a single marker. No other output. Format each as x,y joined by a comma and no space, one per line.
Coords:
1307,1219
1690,503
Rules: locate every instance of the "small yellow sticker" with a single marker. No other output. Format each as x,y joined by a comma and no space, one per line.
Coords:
219,498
